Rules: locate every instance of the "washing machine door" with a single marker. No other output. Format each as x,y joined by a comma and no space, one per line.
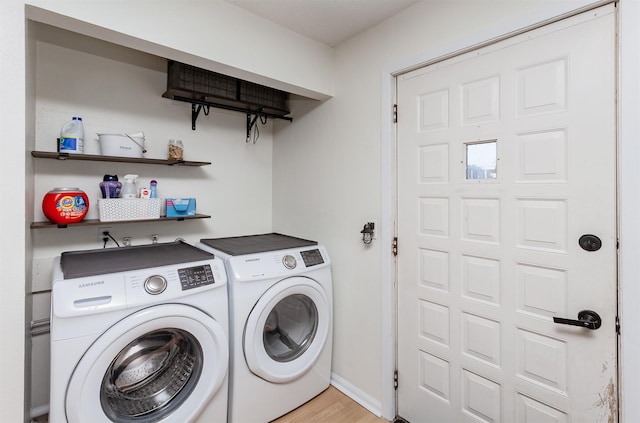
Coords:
163,363
287,329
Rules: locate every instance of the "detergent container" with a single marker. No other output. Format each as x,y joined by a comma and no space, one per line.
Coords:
72,136
65,205
129,189
110,187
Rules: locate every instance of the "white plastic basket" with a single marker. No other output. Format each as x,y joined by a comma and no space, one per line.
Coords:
115,209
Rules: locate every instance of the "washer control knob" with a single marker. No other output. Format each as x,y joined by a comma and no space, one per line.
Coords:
289,262
155,284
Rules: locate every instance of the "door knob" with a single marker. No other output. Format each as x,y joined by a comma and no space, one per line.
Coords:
586,319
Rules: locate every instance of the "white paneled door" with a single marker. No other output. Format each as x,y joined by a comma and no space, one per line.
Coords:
507,219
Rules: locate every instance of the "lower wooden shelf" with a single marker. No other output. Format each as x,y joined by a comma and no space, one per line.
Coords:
96,222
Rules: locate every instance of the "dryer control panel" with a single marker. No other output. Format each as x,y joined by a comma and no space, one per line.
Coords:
311,257
277,263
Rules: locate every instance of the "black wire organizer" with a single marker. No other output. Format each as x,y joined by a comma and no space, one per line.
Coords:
205,89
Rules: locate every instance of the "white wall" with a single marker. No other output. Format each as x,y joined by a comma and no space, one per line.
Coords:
118,90
14,226
629,103
337,157
210,34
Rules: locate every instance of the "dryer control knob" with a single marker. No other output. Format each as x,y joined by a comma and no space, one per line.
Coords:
155,284
289,262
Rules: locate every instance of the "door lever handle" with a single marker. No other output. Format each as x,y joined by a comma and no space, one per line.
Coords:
586,319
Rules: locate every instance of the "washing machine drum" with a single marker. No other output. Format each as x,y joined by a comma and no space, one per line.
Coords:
287,330
156,371
162,363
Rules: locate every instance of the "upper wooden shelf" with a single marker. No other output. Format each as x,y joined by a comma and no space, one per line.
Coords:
97,158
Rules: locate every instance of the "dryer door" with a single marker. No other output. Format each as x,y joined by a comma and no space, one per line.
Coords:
162,363
287,329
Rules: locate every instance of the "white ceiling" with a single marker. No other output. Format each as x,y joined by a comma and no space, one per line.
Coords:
329,22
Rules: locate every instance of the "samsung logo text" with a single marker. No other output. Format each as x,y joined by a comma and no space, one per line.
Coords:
90,284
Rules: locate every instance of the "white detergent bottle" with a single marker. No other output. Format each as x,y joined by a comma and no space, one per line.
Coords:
129,189
72,136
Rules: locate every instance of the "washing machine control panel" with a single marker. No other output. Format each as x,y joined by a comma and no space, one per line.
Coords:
196,276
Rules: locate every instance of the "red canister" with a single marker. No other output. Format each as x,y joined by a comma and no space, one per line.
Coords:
65,205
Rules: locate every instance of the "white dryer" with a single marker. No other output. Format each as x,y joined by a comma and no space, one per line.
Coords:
281,323
139,334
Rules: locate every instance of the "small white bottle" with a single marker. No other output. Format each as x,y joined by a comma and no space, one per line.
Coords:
72,136
129,189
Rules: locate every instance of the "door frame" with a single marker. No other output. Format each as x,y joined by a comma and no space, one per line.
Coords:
628,189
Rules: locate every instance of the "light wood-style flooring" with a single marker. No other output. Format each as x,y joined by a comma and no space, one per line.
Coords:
331,406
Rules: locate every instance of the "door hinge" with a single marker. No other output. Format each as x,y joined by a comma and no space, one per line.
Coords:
395,113
618,325
395,380
394,246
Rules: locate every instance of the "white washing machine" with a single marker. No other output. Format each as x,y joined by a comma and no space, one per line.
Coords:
139,334
281,323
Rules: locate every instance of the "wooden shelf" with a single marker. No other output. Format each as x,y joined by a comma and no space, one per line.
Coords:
97,158
96,222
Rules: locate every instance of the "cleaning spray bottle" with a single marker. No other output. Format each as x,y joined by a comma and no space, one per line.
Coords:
129,189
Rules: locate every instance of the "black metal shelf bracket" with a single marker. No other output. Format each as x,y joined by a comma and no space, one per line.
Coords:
195,111
201,105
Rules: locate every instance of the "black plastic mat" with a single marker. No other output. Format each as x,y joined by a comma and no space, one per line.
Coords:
251,244
78,264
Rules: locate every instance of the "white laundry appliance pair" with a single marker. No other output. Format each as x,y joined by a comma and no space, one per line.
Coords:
281,323
139,334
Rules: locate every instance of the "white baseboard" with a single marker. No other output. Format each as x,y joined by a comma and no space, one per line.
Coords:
362,398
39,411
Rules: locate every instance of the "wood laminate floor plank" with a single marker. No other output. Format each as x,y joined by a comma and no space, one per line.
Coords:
331,406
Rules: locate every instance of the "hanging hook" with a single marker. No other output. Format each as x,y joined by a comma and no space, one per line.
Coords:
251,122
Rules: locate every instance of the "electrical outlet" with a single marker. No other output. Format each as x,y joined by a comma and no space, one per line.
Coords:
126,241
101,234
